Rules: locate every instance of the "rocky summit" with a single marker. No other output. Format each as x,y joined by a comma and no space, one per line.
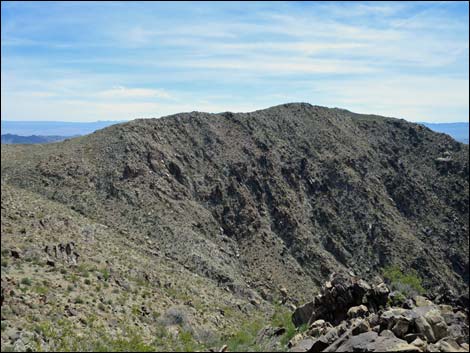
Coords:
206,231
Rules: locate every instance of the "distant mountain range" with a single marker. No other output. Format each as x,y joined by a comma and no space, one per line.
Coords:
458,131
53,128
53,131
17,139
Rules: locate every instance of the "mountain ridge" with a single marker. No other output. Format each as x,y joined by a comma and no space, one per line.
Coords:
263,203
133,153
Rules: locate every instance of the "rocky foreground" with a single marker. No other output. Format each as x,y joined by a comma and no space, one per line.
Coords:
350,315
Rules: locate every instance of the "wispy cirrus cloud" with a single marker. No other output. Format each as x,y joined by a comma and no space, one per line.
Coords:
121,92
402,59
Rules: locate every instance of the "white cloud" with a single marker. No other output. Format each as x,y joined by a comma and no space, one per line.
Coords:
124,92
410,97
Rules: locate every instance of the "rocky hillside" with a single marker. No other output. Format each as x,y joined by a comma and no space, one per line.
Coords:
259,206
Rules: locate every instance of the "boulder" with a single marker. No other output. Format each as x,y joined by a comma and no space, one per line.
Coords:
360,343
437,322
449,345
360,327
357,311
421,301
303,346
423,327
401,327
418,342
294,341
318,328
303,314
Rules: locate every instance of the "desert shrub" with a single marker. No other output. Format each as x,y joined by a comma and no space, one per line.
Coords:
282,317
177,315
244,339
407,284
105,274
188,343
26,281
41,289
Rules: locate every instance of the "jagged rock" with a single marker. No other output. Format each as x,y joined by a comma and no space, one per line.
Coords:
377,297
63,252
401,327
410,337
302,314
437,322
423,327
324,341
303,346
449,345
294,341
418,342
421,301
357,311
340,294
318,328
360,327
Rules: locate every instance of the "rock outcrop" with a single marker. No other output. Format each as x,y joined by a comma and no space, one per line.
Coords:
335,324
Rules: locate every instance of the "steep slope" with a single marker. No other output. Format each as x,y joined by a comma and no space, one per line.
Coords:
72,284
278,197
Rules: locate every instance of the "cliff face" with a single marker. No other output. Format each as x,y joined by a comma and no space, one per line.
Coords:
277,197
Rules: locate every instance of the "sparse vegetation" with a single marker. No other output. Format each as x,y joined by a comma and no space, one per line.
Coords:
406,284
26,281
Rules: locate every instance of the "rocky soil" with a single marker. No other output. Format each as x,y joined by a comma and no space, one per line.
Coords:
233,219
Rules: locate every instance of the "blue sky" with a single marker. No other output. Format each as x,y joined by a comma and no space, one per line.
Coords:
86,61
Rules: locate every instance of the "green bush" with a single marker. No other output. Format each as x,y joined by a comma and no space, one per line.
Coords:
26,281
63,337
105,274
408,284
283,318
243,340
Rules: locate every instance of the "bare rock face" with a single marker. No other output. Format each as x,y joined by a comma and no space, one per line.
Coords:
343,296
424,327
62,252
